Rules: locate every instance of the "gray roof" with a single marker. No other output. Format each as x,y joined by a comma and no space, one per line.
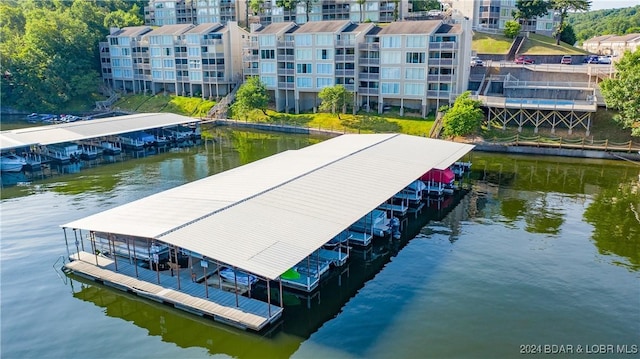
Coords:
80,130
178,29
411,27
275,28
323,26
207,28
131,31
267,216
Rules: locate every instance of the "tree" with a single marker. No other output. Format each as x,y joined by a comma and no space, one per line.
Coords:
425,5
623,91
334,97
361,6
251,95
511,29
121,18
256,6
563,7
529,9
464,117
396,10
568,36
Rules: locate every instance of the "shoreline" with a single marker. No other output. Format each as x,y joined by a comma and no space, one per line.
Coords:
480,146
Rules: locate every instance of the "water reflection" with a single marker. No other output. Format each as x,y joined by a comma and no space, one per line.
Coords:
525,188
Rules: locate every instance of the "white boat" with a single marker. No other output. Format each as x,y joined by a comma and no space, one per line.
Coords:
110,148
232,276
12,163
376,223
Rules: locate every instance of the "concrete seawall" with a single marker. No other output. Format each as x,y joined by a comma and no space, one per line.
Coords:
483,147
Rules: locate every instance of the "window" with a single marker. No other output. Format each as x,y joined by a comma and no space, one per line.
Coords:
414,74
303,68
324,40
155,52
156,63
156,74
169,75
324,69
304,82
115,51
322,82
126,62
113,41
303,54
391,42
416,41
167,51
324,54
167,40
390,88
303,40
268,67
390,57
153,40
267,40
414,89
390,73
195,76
269,81
194,51
194,64
267,54
126,52
168,63
415,57
115,63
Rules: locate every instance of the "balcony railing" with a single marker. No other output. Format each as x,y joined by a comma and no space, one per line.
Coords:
347,43
369,61
286,44
286,85
285,58
369,46
439,78
251,57
251,71
368,91
283,71
442,45
438,94
440,62
345,58
344,72
368,76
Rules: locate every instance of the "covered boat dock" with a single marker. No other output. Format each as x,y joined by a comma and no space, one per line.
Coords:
261,219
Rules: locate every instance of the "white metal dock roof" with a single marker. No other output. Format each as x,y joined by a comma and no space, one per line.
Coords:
80,130
267,216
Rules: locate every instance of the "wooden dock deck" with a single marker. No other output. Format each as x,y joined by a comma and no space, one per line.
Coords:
192,297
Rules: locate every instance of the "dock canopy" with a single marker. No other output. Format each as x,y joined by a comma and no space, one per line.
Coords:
439,175
82,130
267,216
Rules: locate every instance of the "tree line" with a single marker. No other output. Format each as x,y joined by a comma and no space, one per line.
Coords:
605,22
49,49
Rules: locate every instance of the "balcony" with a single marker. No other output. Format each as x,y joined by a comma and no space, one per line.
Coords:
440,62
251,58
369,46
439,78
442,45
251,71
345,58
368,91
216,67
286,85
250,45
345,43
368,76
345,72
286,44
283,71
289,58
438,94
369,61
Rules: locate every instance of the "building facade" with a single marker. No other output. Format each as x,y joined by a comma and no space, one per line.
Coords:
612,44
414,65
171,12
493,14
185,59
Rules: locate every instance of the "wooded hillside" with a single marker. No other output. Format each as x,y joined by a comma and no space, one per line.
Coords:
605,22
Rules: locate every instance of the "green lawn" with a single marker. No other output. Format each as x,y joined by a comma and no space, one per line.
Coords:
544,45
490,44
187,106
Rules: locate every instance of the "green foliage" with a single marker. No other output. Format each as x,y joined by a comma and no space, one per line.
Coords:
529,9
563,7
252,95
622,92
511,29
334,98
49,50
425,5
605,22
256,6
464,117
568,35
369,123
287,4
121,18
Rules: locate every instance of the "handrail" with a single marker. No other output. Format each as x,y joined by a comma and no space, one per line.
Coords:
582,143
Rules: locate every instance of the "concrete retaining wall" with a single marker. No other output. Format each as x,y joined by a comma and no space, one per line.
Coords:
563,152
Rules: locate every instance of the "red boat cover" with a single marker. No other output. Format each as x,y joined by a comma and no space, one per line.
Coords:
442,176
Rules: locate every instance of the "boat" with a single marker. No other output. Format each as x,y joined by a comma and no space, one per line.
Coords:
110,148
412,193
241,278
137,140
12,163
88,152
376,223
64,153
341,238
439,182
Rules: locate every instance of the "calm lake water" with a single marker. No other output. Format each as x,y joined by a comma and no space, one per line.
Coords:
540,251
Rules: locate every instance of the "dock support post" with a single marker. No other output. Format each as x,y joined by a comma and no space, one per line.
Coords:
281,303
135,260
175,248
66,242
75,234
81,240
269,298
235,280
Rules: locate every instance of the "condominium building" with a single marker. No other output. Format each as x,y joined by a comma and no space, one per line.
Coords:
414,65
493,14
170,12
193,60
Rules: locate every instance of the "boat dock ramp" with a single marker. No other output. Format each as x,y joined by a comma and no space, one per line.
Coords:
304,207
